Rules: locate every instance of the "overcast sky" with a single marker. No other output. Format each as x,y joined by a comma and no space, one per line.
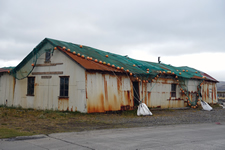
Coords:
182,32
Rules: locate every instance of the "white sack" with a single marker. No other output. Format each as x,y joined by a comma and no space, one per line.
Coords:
206,106
143,110
222,105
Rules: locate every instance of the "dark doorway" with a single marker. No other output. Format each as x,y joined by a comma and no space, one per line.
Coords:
136,93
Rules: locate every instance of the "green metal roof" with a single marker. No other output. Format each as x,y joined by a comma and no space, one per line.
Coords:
128,63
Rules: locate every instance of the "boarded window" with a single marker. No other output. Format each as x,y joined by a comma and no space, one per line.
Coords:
173,90
64,86
47,56
30,86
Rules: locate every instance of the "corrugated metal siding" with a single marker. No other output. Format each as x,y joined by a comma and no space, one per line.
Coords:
7,86
209,92
107,92
158,94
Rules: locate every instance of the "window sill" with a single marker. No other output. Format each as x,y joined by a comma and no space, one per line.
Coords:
29,95
63,96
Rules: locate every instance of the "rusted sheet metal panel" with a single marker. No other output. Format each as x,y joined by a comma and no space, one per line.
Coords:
107,92
159,94
63,104
209,92
90,64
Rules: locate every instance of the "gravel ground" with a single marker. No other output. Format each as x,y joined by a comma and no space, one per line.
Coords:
168,117
46,122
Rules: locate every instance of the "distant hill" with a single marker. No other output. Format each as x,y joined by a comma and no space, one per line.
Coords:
221,86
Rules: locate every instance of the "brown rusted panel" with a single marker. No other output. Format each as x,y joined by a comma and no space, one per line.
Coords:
63,103
106,91
86,84
149,97
207,91
90,64
215,92
127,97
41,73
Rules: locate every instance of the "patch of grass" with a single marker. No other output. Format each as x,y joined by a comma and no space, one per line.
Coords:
129,113
9,133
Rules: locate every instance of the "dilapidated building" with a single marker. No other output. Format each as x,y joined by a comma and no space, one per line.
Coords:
65,76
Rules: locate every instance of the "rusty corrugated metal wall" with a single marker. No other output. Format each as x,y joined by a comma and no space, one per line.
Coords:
108,92
209,92
159,94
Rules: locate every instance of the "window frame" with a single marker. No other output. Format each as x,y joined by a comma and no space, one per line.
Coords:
173,90
30,86
48,56
64,91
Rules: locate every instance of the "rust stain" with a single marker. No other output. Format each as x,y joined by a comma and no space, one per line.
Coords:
63,104
115,99
129,100
118,83
110,108
215,92
149,98
36,84
101,108
207,91
72,108
106,90
86,84
63,98
127,97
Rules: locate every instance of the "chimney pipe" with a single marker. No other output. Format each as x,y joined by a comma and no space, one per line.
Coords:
159,60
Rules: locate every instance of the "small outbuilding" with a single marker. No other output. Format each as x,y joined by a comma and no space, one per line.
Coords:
64,76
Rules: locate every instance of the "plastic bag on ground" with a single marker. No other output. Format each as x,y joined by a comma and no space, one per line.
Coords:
143,110
206,106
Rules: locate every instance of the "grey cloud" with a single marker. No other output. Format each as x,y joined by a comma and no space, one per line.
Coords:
170,27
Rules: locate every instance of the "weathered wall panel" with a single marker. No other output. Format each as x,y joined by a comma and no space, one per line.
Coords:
209,92
158,94
7,86
106,92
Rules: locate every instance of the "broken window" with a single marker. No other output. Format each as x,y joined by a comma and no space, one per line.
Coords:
64,86
173,90
30,86
47,56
